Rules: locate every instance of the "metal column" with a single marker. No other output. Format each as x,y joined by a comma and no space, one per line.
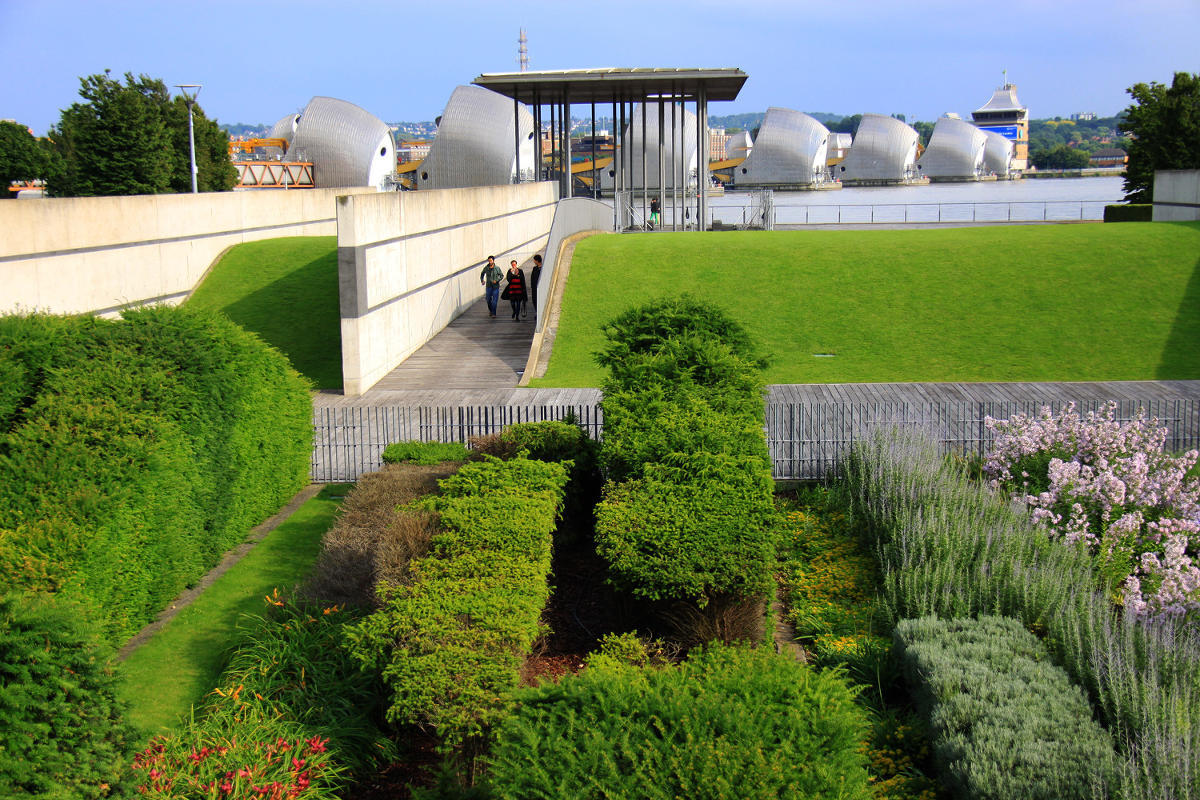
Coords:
662,166
702,150
517,132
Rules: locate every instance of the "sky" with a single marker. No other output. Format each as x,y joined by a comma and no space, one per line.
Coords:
259,61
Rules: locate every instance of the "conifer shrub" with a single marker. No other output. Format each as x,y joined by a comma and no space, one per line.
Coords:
134,452
1006,722
63,731
1129,212
451,642
727,722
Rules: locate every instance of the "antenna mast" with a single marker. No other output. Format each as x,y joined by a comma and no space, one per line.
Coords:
523,52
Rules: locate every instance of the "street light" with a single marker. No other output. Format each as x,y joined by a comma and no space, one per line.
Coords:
191,101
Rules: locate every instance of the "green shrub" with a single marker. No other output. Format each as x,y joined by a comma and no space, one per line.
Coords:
450,644
1007,723
291,690
645,328
425,453
1129,212
135,452
64,736
728,722
696,527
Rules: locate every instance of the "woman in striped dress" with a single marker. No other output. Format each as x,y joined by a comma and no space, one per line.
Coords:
515,289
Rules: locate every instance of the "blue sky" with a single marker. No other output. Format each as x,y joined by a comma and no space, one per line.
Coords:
262,59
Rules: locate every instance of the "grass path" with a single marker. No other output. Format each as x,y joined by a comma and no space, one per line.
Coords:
1006,303
163,678
286,291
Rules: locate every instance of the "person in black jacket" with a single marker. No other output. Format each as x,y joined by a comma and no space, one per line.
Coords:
534,275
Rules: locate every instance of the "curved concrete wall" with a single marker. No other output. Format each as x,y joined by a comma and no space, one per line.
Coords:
955,150
409,263
884,150
790,149
474,145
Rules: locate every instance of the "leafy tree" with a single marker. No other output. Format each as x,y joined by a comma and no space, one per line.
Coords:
1060,157
925,130
21,158
846,124
132,138
1164,123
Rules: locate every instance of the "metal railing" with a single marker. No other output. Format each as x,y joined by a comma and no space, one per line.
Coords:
806,440
916,213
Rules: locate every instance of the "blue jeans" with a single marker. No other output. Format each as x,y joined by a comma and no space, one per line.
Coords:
492,293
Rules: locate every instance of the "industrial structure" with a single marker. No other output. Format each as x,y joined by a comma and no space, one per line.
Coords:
998,155
480,142
790,152
644,146
884,152
1005,115
955,151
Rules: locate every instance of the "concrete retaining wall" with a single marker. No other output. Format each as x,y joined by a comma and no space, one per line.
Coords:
1177,195
100,254
409,263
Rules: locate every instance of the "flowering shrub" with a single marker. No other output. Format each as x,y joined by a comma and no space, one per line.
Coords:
1109,485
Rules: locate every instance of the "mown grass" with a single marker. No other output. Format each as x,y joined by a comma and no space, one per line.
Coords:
286,291
164,678
1011,303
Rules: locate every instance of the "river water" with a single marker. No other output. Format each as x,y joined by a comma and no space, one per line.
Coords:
1050,199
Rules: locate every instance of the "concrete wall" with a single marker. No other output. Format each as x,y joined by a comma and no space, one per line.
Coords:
100,254
409,263
1177,195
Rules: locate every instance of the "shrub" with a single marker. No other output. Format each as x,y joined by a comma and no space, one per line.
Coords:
1111,487
425,453
135,452
1129,212
698,730
293,714
699,526
450,644
64,736
645,328
1006,722
952,548
374,538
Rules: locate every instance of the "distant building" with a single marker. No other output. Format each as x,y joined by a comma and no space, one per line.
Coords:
955,151
998,155
884,152
1084,116
1109,157
790,151
1005,115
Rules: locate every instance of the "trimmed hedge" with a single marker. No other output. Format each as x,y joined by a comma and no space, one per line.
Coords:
688,514
424,453
728,722
134,453
64,736
1007,723
1129,212
693,528
451,643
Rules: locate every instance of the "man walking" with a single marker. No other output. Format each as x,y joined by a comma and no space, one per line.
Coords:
490,279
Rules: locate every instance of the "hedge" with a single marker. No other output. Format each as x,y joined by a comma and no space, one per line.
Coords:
450,644
728,722
1006,722
64,736
133,453
1129,212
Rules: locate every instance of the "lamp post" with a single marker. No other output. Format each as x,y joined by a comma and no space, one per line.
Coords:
191,101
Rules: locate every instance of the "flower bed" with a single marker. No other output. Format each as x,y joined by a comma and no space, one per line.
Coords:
1110,486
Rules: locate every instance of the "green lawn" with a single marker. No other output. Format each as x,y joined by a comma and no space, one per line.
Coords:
163,679
286,291
1011,303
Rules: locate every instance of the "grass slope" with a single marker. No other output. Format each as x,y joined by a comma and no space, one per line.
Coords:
163,679
286,291
1010,303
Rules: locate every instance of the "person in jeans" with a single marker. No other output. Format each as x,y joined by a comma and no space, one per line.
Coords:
515,290
490,279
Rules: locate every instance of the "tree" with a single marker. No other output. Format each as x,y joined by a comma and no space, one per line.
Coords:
132,138
21,158
1060,157
1164,128
924,130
